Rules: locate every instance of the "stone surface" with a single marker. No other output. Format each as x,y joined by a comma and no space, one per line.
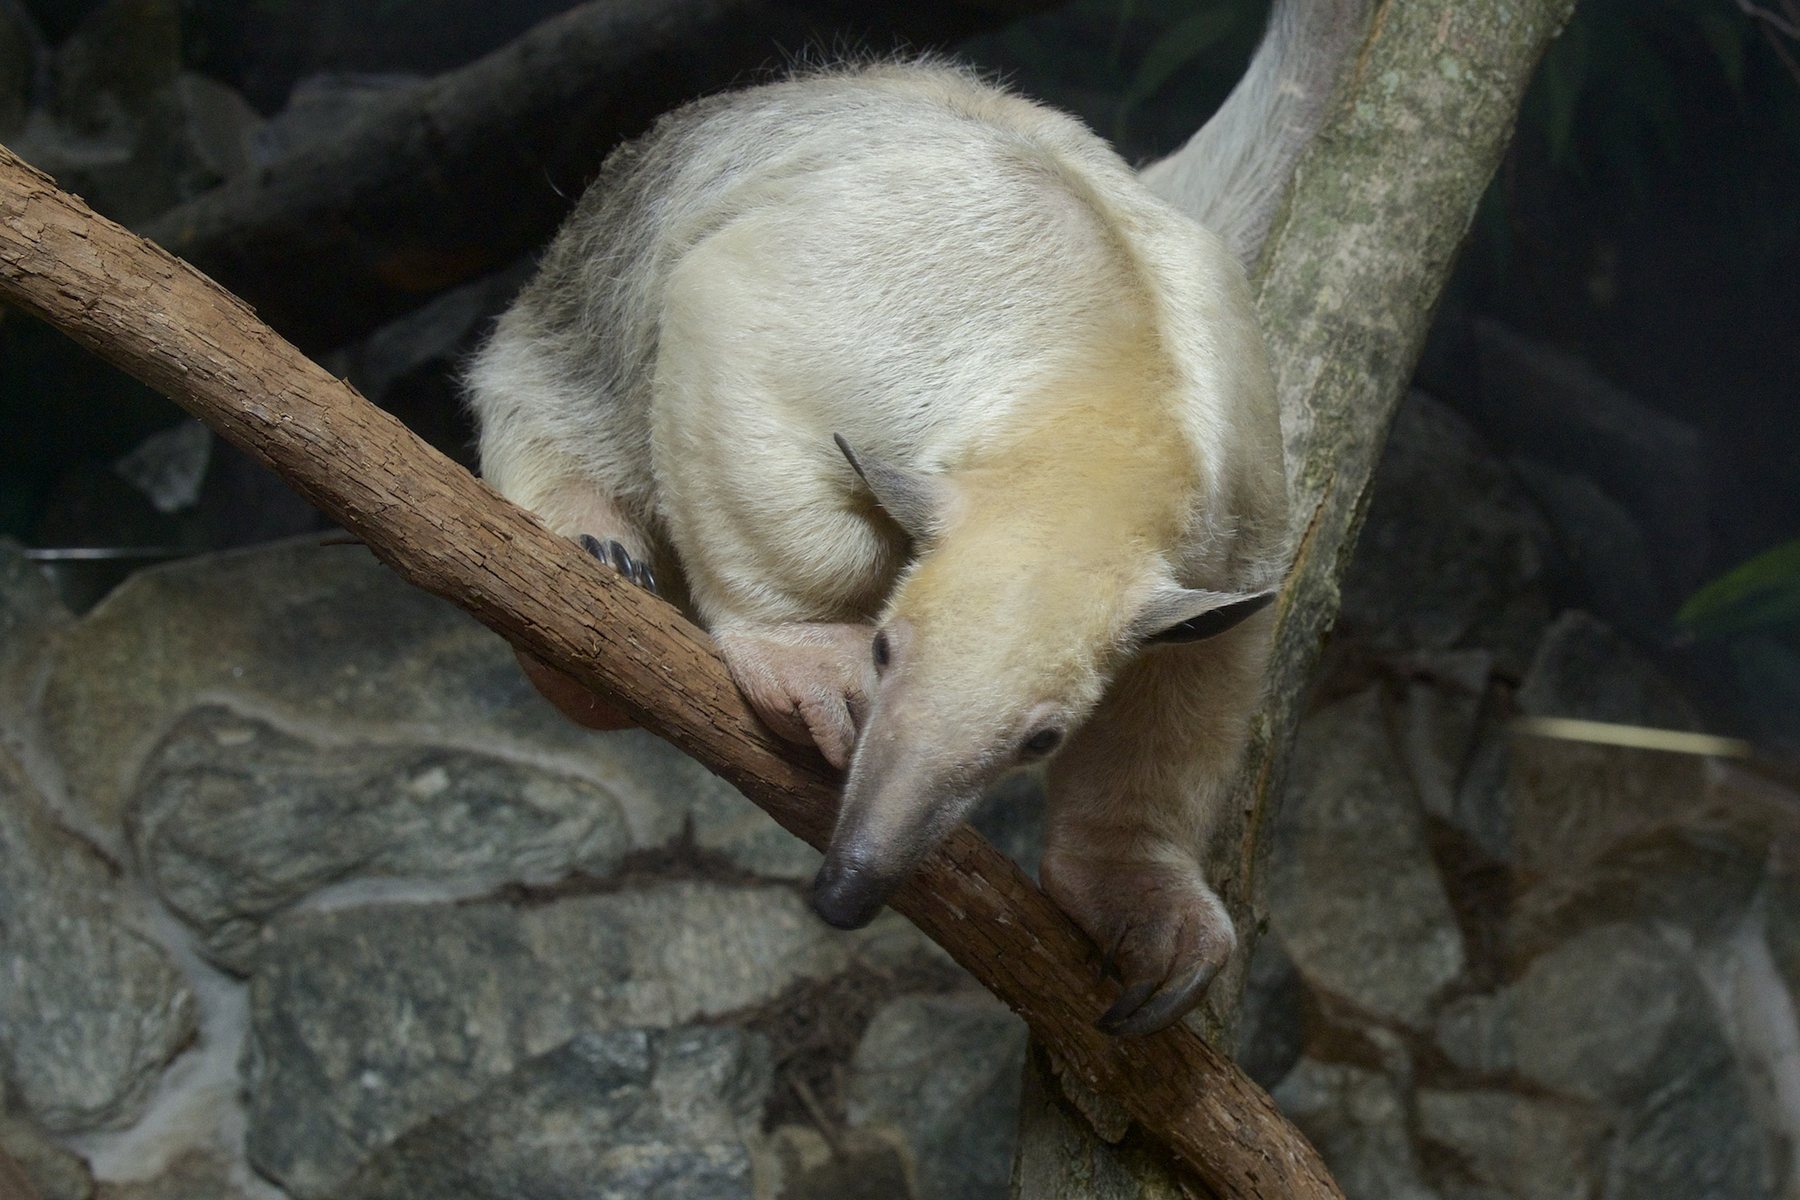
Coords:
1059,1158
1537,400
1604,548
1449,540
944,1071
56,1173
634,1114
1573,800
367,1021
32,620
1353,893
1695,1136
1518,1146
234,820
90,1008
1475,1033
325,638
1357,1120
1272,1020
1611,1015
194,1175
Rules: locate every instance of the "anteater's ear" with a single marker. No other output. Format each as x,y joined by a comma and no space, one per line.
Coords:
914,499
1188,615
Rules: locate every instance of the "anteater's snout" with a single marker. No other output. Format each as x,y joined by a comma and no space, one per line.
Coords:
848,894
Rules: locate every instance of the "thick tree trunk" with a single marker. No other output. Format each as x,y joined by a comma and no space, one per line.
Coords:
441,529
1346,286
454,179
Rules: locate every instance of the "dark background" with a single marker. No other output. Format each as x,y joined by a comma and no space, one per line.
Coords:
1645,226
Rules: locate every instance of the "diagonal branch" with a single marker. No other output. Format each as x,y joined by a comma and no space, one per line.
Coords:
157,318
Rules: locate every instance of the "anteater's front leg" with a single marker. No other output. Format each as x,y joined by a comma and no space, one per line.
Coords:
1132,802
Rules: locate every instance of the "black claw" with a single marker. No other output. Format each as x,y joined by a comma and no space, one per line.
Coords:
592,545
1167,1006
621,561
644,578
1129,1001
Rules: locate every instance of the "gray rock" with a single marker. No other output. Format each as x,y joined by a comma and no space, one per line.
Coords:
1060,1157
326,638
1436,723
56,1173
323,106
1354,895
1604,547
367,1021
1475,1033
1449,540
1357,1120
633,1113
90,1009
20,50
32,621
1517,1146
191,1175
234,821
1537,400
1611,1015
1272,1025
1694,1137
944,1071
1573,800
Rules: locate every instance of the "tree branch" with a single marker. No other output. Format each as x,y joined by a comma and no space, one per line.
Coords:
457,177
157,318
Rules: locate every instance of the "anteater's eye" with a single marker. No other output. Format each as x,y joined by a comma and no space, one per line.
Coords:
881,650
1042,742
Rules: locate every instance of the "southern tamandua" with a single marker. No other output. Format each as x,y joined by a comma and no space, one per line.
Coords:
961,440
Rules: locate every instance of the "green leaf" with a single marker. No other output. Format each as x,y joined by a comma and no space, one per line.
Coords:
1761,594
1187,41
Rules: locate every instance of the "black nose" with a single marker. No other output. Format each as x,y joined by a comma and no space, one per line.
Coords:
846,895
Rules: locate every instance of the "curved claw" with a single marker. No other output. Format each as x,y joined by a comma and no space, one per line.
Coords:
1130,1001
619,559
1167,1006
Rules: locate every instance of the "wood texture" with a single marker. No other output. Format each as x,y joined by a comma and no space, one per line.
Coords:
441,529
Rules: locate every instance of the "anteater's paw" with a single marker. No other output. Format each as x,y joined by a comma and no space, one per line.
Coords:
810,683
619,559
1163,929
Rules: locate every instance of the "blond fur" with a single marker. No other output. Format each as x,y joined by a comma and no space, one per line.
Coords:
968,287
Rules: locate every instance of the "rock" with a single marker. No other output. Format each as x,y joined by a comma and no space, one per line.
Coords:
1272,1028
1611,1015
1059,1158
169,465
1436,723
1695,1136
91,1010
1357,1120
944,1071
632,1113
1354,895
324,105
1604,547
1011,816
367,1021
234,820
1475,1033
32,620
1449,538
1537,400
1519,1147
797,1163
1699,873
325,638
193,1175
56,1173
1572,799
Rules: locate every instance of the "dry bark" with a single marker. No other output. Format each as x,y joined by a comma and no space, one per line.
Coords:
157,318
456,178
1346,287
